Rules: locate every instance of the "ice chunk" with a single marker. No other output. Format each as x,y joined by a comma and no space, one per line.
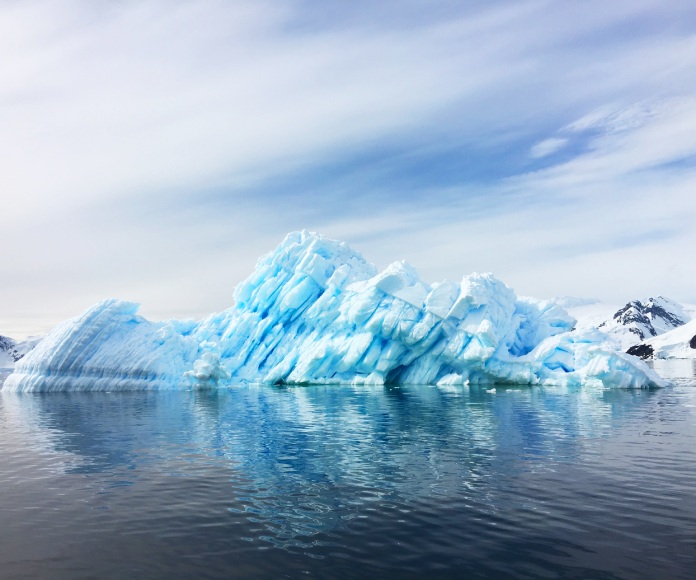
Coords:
207,370
314,311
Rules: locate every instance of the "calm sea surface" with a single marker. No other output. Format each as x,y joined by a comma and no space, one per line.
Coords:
351,482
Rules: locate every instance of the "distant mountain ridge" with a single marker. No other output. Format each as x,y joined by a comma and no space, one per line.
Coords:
12,350
641,320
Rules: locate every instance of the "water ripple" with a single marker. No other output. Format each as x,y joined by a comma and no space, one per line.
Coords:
350,481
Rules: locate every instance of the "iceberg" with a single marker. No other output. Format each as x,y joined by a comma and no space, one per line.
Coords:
315,311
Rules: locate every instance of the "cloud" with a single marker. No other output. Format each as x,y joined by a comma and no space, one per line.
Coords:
151,96
152,150
547,147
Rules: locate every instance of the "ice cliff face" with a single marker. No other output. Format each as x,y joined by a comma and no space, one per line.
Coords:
641,320
314,311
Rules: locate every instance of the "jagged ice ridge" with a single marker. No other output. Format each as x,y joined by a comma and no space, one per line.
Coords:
314,311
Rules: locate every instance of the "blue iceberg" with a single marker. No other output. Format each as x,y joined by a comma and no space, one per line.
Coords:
314,311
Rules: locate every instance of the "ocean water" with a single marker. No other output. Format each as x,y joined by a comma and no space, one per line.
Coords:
351,482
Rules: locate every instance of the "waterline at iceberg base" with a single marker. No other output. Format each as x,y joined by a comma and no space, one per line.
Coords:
314,311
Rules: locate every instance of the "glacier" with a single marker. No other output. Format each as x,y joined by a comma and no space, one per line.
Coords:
315,311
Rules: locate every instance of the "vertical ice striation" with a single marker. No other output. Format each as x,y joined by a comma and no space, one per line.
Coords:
314,311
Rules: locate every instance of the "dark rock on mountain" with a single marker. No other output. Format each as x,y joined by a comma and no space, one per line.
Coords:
644,351
642,320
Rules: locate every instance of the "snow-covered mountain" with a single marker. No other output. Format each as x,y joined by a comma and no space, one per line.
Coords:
641,320
677,343
12,350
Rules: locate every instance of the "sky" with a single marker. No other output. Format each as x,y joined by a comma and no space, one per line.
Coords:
153,150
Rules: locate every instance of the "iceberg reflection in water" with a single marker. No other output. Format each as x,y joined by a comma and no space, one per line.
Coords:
349,480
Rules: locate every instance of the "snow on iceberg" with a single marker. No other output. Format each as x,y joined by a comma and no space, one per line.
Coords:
314,311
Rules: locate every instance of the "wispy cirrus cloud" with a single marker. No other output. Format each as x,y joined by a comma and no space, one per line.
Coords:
548,147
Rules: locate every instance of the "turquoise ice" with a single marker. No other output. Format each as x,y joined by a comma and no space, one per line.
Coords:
315,311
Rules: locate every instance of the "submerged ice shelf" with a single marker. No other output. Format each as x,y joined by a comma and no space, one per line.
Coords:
314,311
